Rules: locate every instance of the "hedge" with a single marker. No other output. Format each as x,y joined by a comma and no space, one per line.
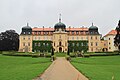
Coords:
27,54
79,45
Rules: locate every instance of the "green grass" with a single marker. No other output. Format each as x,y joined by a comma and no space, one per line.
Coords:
22,68
99,68
60,54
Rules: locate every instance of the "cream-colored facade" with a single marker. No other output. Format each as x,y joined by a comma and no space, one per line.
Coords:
60,37
110,41
94,43
25,43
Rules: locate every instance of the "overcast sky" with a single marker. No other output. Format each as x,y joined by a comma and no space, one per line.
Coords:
14,14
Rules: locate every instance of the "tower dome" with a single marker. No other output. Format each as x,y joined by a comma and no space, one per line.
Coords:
26,29
93,30
59,25
93,27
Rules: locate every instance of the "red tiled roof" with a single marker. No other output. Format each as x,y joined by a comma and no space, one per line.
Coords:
52,29
112,32
77,29
42,29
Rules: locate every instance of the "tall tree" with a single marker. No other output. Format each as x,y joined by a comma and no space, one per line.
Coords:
117,37
52,53
9,40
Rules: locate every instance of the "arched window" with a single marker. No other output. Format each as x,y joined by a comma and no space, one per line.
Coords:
60,43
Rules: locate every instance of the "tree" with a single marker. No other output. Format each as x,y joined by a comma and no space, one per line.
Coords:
117,37
9,40
68,52
52,51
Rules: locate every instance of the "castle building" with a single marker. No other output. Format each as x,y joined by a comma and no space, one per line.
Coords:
60,38
110,40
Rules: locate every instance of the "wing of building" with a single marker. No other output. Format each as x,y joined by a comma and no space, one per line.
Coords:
109,38
61,38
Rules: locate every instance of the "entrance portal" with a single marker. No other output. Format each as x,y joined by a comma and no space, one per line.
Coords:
60,49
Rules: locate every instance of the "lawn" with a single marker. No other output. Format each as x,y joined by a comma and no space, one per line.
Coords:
60,54
22,68
99,68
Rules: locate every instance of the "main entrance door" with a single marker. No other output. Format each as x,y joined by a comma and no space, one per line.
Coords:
60,49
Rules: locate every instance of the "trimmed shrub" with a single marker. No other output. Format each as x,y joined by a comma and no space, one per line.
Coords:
48,55
0,52
87,55
68,58
53,58
104,54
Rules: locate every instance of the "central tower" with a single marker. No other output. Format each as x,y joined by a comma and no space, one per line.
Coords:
60,37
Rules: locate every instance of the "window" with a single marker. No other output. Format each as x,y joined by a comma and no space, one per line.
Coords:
73,38
44,44
96,37
96,49
104,44
35,44
35,32
91,32
35,38
60,36
39,32
109,43
28,32
24,44
91,49
82,44
86,37
91,43
109,38
29,38
77,32
86,44
109,47
91,37
77,44
73,44
81,32
65,43
68,38
38,44
72,32
60,44
23,38
39,38
81,38
77,38
96,44
44,33
28,43
23,32
47,44
54,43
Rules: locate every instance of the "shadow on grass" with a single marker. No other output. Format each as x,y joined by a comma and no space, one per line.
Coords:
85,63
42,62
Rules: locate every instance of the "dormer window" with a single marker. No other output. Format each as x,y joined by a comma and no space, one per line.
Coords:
28,32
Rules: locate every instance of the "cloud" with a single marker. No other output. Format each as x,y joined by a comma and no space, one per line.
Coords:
14,14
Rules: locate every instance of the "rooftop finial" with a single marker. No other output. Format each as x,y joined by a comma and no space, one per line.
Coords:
59,17
27,24
92,23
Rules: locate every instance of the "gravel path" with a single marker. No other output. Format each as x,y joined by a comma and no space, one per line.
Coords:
61,69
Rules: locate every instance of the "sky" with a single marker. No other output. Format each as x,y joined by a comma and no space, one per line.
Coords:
14,14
